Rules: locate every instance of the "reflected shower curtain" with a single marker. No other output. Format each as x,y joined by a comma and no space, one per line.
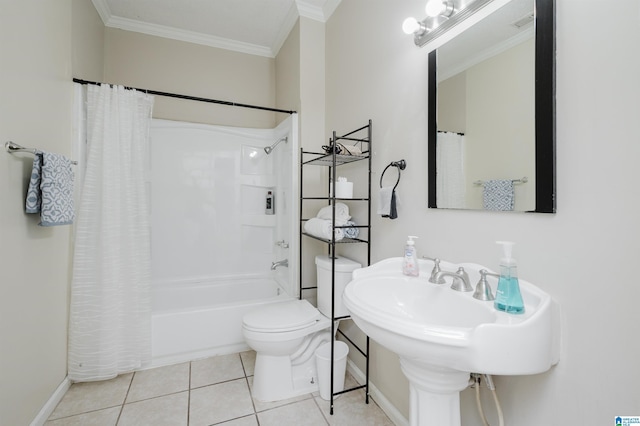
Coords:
110,313
450,178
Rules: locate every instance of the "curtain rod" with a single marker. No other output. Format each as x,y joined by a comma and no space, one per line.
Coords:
191,98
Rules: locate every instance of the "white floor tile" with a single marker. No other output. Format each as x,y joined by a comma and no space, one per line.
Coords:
303,413
350,409
159,381
262,406
219,403
216,369
170,410
91,396
106,417
243,421
248,361
162,397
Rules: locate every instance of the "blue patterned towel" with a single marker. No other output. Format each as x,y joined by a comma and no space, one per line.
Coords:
352,232
50,190
498,195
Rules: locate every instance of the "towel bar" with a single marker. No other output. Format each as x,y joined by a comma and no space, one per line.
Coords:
12,147
514,181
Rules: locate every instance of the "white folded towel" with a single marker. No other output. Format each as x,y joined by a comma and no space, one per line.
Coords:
342,213
321,228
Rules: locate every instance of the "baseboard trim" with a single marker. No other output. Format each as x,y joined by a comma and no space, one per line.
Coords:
389,409
52,403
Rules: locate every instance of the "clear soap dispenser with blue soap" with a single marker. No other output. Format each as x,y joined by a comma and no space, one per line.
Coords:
410,261
508,296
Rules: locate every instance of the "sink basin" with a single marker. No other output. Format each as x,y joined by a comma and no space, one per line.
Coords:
438,331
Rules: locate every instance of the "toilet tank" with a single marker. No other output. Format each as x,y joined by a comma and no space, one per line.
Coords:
344,268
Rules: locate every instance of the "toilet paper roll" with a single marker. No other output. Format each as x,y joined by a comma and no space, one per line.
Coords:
344,189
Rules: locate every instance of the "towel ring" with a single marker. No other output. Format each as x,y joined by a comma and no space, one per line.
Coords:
400,165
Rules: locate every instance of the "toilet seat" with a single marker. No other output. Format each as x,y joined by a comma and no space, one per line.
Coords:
282,317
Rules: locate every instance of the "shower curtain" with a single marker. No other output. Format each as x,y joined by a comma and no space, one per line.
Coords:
110,313
450,178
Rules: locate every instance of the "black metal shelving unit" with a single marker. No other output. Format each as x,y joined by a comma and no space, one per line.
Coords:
360,137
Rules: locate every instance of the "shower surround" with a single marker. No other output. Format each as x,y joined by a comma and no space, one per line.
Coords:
212,244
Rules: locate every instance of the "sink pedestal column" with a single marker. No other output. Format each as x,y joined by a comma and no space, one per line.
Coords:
434,393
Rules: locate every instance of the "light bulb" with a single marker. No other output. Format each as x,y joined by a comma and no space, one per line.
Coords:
410,25
435,8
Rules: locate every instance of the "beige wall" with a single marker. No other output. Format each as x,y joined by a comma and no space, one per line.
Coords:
35,108
87,47
156,63
374,70
500,131
287,71
452,101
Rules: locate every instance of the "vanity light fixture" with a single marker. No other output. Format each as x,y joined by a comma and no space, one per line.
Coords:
439,8
413,26
441,16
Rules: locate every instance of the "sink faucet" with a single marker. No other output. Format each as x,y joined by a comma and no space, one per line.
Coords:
460,279
483,290
284,262
435,270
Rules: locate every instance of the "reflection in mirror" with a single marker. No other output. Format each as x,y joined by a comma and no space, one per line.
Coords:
491,94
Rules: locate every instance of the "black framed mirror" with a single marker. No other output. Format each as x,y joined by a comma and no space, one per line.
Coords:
538,177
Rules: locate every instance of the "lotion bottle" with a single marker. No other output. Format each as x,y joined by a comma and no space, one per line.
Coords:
508,296
410,261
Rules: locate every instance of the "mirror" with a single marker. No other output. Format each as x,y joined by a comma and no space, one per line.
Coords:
492,113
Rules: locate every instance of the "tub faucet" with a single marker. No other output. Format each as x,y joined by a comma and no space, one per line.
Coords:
284,262
460,279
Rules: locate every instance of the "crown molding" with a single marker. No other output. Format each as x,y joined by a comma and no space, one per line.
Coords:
319,10
285,29
103,10
188,36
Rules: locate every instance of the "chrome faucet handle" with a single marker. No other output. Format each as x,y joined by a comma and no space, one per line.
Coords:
483,289
435,278
462,283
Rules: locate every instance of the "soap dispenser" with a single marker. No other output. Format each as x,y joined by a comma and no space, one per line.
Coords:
508,297
410,261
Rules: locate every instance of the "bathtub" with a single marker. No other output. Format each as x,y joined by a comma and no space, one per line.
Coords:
192,320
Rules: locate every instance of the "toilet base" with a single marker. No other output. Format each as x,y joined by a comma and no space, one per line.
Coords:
275,379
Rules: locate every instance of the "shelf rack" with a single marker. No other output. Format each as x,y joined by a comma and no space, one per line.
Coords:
333,160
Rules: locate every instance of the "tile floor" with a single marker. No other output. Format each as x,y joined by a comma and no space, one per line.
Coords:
211,391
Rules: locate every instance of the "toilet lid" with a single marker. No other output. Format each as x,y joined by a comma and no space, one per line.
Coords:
284,316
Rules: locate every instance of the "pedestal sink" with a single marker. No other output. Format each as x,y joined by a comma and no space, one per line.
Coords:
442,335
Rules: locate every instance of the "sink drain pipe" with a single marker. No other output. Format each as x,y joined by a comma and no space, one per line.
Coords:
475,382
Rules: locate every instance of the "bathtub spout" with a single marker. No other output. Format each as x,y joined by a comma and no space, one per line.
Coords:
320,338
284,262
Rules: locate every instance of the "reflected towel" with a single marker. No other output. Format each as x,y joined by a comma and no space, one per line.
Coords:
498,195
50,190
387,203
321,228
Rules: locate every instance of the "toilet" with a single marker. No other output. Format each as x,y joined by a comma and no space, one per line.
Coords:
286,334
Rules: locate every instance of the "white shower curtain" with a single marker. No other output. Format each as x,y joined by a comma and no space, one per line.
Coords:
450,178
110,314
